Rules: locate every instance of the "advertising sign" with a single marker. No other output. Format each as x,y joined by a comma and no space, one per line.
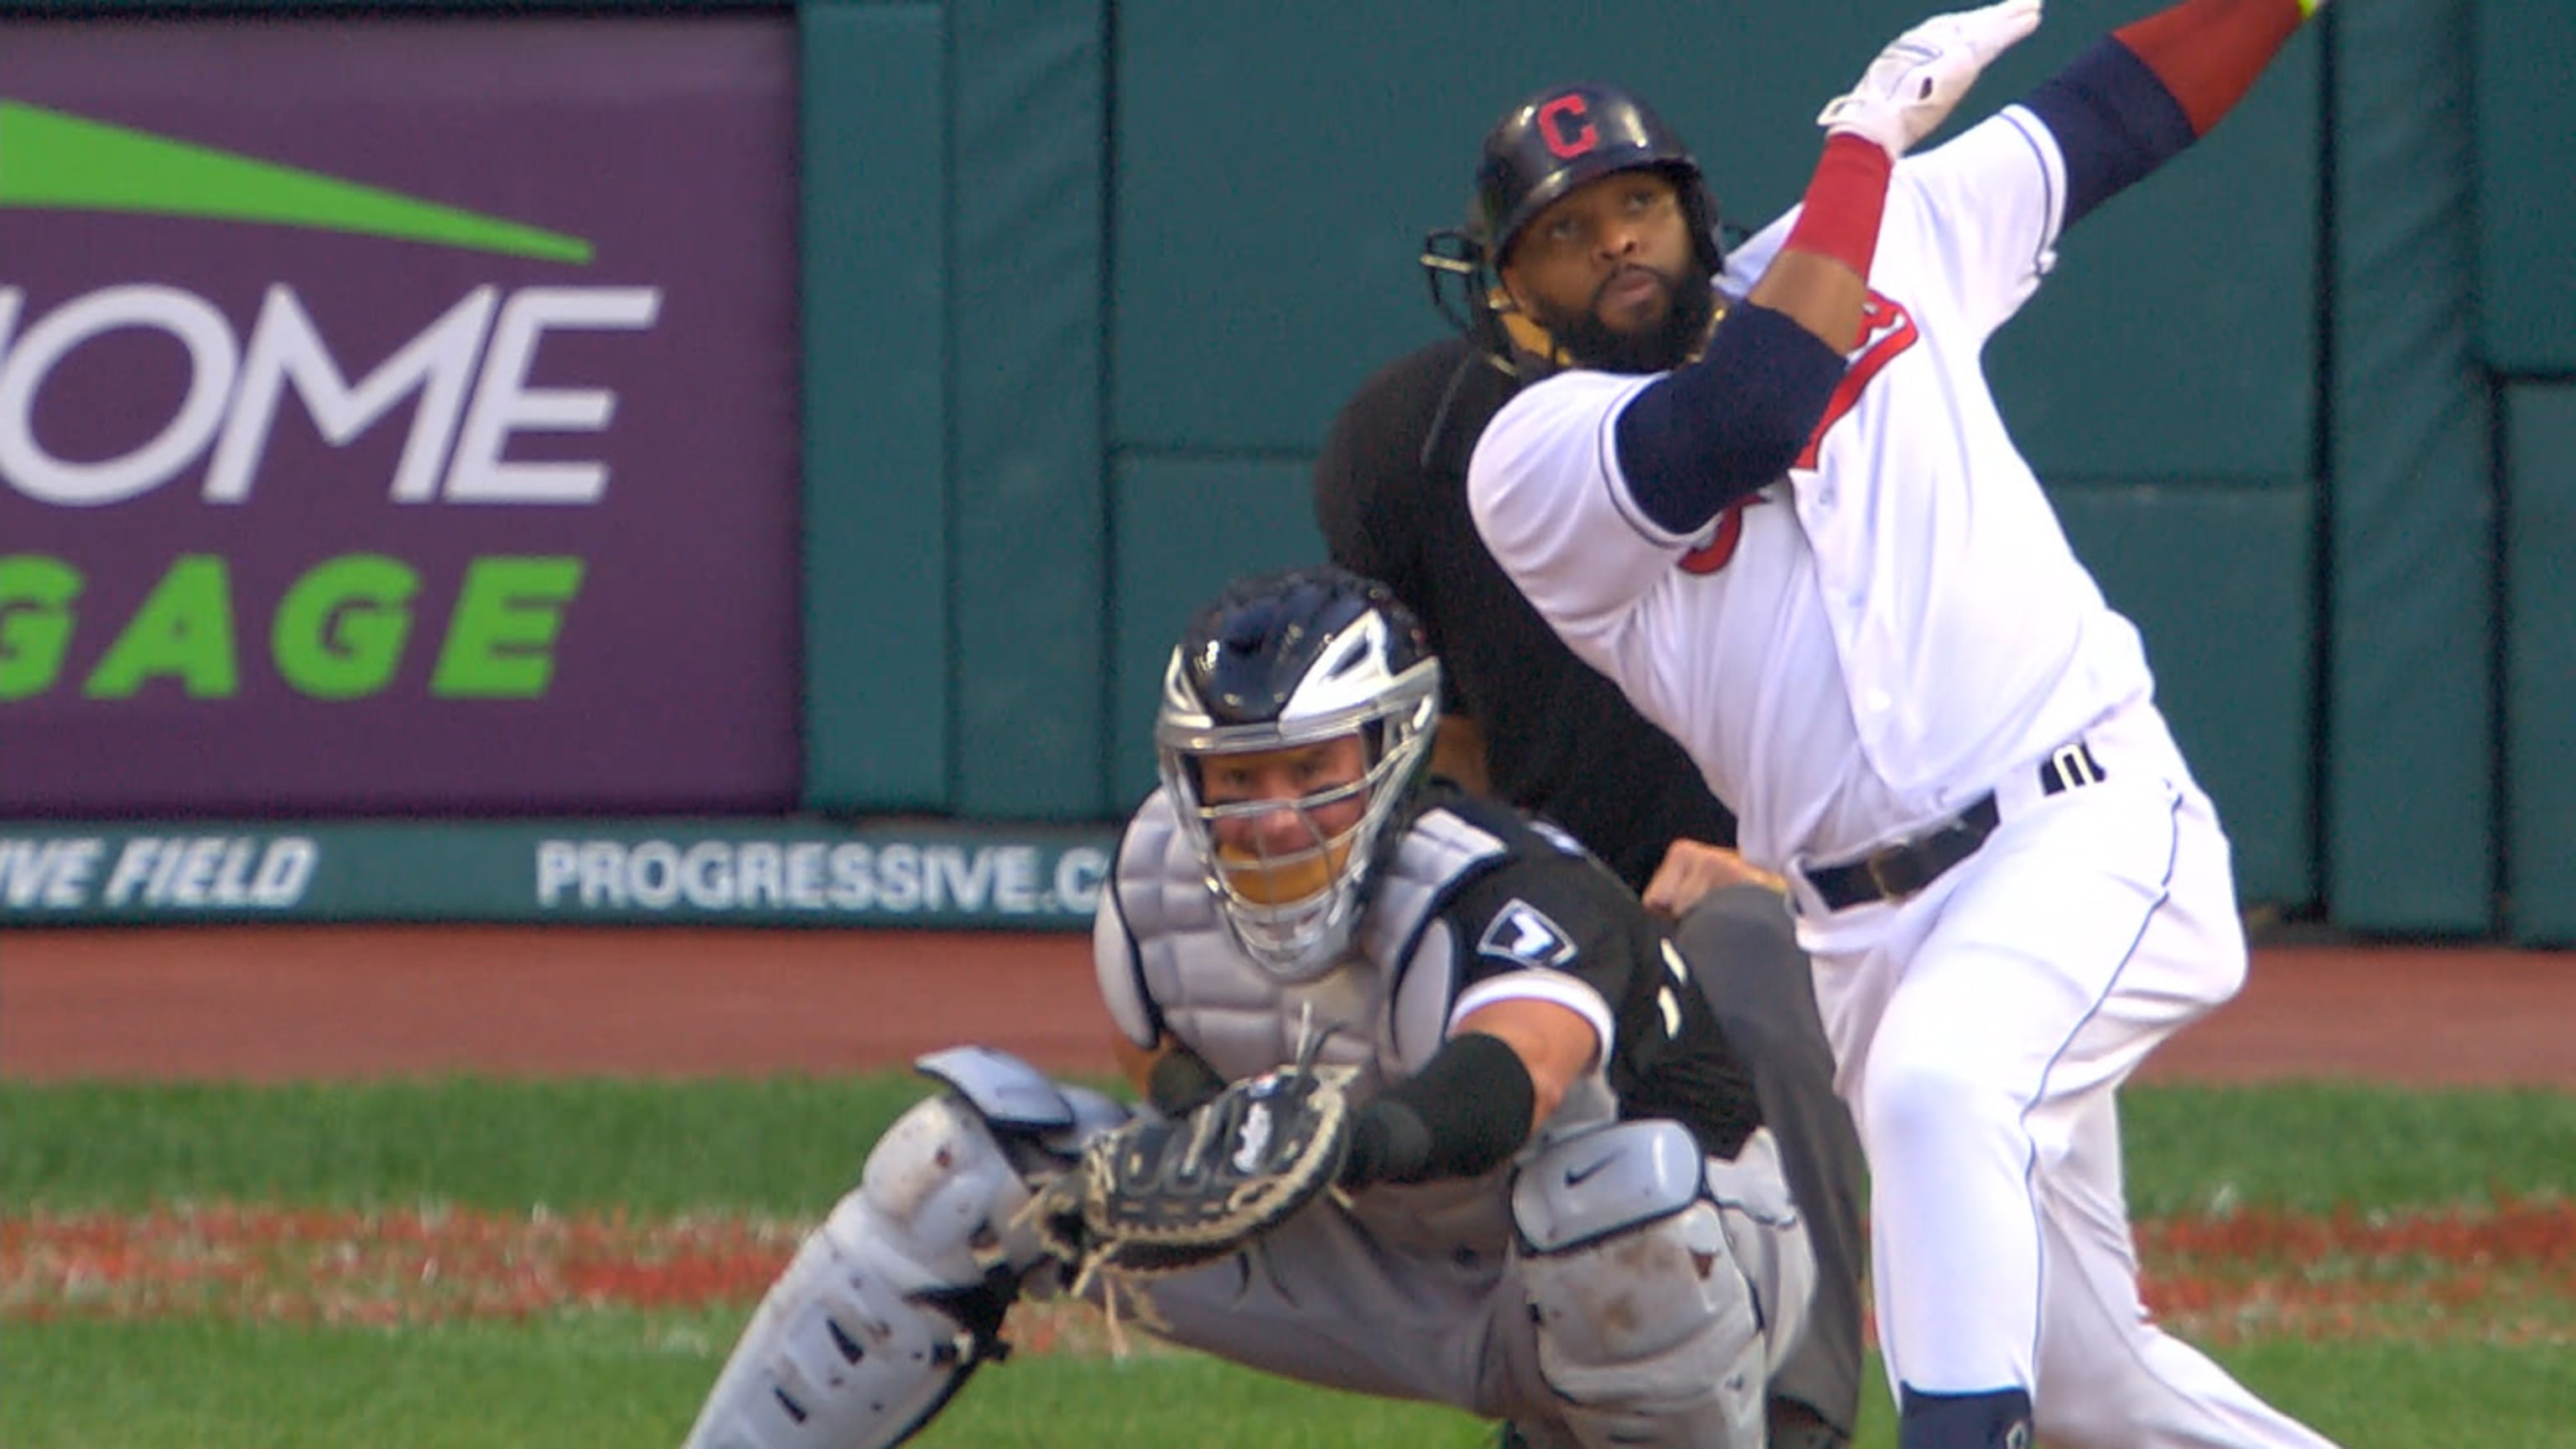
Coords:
630,872
397,415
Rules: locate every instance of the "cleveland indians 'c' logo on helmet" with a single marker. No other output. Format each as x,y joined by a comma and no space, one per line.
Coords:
1565,124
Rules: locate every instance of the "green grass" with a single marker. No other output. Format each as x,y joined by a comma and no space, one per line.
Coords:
594,1380
2382,1395
787,1147
782,1145
2388,1395
2312,1148
607,1380
625,1379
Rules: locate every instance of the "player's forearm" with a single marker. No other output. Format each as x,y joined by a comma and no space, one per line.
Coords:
2141,95
1465,1113
1820,280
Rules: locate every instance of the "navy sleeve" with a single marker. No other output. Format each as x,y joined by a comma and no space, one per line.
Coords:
1701,437
2114,121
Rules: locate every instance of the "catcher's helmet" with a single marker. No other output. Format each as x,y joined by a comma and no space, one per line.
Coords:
1561,138
1275,663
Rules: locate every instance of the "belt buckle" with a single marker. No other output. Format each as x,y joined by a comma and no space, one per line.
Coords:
1884,870
2071,766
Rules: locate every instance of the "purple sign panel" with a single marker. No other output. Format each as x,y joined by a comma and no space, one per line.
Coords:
398,416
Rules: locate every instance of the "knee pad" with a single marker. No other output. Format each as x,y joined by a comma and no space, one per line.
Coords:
900,1294
1769,1240
1647,1329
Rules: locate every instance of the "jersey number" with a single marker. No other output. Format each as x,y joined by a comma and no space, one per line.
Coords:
1888,330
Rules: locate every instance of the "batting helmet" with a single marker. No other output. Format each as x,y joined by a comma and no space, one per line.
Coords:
1567,136
1561,138
1275,663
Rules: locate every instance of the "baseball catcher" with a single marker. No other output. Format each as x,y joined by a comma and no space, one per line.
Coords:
1432,1109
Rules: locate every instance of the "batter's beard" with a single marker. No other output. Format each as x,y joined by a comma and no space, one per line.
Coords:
1582,338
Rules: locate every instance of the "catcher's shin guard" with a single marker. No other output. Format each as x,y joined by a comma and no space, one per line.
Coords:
900,1294
1658,1289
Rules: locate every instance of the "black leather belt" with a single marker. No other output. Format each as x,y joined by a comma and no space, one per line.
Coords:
1905,868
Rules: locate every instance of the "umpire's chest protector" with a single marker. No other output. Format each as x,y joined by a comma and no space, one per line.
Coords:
1387,1002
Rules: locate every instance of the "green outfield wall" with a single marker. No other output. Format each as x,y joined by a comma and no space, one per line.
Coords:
1074,289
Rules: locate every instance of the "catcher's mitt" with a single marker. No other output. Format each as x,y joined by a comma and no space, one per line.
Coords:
1170,1194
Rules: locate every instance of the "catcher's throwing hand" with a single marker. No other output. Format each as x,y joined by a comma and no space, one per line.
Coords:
1170,1194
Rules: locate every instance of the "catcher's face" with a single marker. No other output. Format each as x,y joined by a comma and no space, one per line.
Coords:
1284,818
1616,249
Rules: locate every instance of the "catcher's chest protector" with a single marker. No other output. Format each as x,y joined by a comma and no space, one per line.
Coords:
1244,1021
1391,1001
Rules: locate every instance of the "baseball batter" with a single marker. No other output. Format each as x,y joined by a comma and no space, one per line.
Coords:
1803,542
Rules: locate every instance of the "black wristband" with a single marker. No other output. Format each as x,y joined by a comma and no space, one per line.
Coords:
1389,1143
1466,1112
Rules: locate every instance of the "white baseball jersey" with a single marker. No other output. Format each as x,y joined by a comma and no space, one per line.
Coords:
1873,640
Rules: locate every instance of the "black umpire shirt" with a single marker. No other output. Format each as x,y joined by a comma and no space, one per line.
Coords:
1560,739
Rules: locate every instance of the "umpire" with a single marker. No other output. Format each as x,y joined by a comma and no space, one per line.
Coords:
1528,723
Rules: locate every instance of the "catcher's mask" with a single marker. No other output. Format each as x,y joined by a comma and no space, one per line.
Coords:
1560,139
1316,671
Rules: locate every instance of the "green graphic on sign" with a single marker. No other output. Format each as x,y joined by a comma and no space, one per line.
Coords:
68,163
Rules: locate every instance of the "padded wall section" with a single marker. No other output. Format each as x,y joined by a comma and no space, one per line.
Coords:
2176,337
1187,528
2219,581
2526,208
1276,176
877,719
1030,562
2410,799
2540,745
